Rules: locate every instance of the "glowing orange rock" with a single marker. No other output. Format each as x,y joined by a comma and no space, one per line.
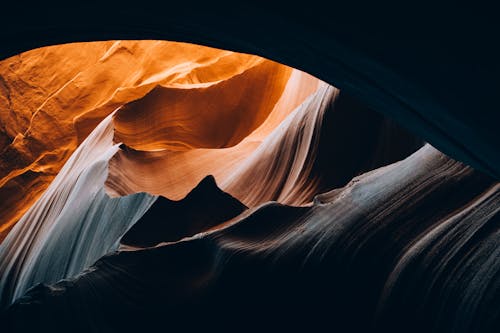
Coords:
52,98
174,170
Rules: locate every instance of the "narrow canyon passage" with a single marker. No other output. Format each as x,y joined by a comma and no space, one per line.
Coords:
146,183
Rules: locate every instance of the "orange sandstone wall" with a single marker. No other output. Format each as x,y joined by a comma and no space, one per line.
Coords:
52,98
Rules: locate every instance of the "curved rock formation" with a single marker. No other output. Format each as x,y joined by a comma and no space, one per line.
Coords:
167,185
201,115
174,173
46,110
72,224
292,155
379,245
431,67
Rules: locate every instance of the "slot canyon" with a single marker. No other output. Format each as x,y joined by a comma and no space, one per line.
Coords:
150,185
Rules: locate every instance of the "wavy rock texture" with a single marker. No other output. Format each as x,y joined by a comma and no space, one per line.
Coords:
284,155
184,195
379,245
75,222
201,115
75,212
72,224
174,172
52,98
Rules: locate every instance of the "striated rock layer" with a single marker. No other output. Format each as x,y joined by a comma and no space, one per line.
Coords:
72,224
173,172
75,221
52,98
407,247
184,194
291,156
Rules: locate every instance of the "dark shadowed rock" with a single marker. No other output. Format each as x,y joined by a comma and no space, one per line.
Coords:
166,221
398,249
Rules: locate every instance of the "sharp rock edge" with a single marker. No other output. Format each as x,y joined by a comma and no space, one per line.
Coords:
410,240
75,222
72,224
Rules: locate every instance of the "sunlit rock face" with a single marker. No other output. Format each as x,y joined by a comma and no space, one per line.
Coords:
52,98
146,183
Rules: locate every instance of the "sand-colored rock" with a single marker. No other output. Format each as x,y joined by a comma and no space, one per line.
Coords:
52,98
